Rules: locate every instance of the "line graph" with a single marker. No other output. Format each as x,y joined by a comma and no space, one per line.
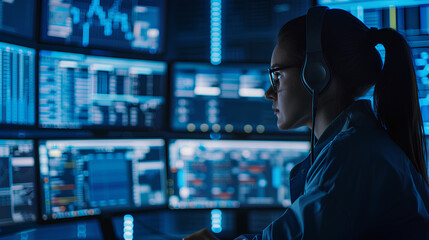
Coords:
124,24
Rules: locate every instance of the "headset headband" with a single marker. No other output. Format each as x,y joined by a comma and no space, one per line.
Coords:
315,74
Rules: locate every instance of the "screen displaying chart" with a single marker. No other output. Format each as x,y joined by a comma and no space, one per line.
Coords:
17,87
90,177
79,91
18,203
136,25
232,173
17,17
227,98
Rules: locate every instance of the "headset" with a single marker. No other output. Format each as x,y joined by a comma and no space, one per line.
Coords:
315,74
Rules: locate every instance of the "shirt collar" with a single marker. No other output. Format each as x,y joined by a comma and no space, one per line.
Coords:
357,113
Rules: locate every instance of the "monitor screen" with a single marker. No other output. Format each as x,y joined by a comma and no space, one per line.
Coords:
232,173
136,25
17,17
91,177
78,91
409,17
17,87
18,203
421,64
228,98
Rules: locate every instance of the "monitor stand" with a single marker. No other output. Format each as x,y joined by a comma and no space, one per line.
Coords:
107,229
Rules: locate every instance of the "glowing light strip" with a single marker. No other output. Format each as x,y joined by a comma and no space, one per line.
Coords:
216,32
128,227
216,220
392,15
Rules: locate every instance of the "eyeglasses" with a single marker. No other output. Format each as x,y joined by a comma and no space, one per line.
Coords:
271,72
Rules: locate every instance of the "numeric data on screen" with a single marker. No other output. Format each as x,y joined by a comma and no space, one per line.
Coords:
88,177
17,87
17,182
232,173
78,91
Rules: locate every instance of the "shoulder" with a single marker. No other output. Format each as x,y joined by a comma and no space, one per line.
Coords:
360,151
367,143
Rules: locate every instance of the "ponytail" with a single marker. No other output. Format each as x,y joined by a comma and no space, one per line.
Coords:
396,99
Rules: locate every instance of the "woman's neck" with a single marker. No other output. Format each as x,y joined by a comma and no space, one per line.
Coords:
326,113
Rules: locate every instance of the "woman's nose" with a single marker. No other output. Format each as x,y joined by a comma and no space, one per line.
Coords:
269,94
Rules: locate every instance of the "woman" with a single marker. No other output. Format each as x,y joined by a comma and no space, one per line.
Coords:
369,177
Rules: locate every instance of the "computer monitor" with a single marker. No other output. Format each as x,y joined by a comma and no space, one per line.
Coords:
92,177
17,85
226,98
232,173
410,17
421,64
17,17
136,25
18,198
81,91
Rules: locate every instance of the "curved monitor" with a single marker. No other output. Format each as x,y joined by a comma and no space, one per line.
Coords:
113,24
83,91
232,173
18,198
92,177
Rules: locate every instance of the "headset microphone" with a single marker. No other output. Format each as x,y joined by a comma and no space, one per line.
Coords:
315,74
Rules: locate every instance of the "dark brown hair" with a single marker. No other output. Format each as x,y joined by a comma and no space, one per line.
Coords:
349,49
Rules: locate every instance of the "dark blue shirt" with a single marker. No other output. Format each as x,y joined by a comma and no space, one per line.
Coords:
360,186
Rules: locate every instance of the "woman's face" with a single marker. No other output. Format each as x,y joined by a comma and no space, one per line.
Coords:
292,102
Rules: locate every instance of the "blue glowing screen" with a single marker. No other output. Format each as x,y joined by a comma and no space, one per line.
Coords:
136,25
78,91
88,177
421,64
17,183
17,17
17,87
221,98
232,173
409,17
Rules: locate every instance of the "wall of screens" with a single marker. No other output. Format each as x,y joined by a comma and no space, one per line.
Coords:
96,75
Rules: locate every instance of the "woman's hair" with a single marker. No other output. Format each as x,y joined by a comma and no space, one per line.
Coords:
356,66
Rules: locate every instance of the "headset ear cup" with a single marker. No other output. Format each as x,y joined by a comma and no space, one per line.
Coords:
315,74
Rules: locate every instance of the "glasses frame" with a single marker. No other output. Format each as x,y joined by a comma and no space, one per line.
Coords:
271,73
